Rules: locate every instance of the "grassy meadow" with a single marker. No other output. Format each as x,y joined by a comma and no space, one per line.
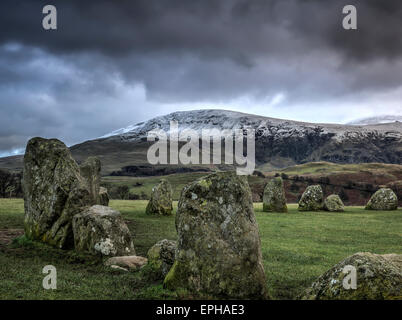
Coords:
296,248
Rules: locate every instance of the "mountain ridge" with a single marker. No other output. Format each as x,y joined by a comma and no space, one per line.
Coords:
279,143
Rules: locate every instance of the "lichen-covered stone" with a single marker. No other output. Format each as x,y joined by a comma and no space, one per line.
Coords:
383,199
312,199
54,192
161,257
378,277
90,171
333,203
219,249
161,202
127,262
103,199
274,199
102,230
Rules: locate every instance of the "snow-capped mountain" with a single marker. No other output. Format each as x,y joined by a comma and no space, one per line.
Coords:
279,143
199,120
377,120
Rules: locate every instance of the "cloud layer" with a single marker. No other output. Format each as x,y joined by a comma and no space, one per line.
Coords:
114,63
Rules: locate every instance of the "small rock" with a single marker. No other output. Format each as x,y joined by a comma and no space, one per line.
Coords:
118,268
383,199
312,199
102,230
127,262
161,257
333,203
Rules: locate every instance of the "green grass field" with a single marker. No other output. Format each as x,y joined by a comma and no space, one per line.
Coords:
296,248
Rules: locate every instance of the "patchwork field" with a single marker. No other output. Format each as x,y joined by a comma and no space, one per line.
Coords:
296,247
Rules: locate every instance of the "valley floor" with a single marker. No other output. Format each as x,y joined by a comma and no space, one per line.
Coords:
296,248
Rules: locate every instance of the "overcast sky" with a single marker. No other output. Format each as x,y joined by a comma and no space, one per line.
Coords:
114,63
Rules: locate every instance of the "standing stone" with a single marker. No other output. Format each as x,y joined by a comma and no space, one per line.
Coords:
102,230
54,192
161,258
161,202
378,277
383,199
312,199
219,248
90,171
103,199
274,199
333,203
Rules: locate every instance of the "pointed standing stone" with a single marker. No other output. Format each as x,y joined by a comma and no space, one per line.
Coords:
54,192
219,248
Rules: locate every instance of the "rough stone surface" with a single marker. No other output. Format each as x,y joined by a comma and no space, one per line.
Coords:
90,171
118,268
312,199
383,199
334,203
274,199
127,262
54,192
219,248
103,197
161,257
102,230
378,277
161,199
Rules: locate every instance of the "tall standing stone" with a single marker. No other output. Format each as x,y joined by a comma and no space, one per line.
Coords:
161,202
219,248
90,171
54,192
312,199
274,199
384,199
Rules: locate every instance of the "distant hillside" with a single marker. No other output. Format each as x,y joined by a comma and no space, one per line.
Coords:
355,183
279,143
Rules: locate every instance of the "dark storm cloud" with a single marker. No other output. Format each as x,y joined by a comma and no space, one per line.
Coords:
111,63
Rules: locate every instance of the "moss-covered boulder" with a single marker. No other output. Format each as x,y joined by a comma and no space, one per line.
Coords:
383,199
312,199
378,277
102,230
219,249
333,203
161,202
274,199
54,192
161,257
